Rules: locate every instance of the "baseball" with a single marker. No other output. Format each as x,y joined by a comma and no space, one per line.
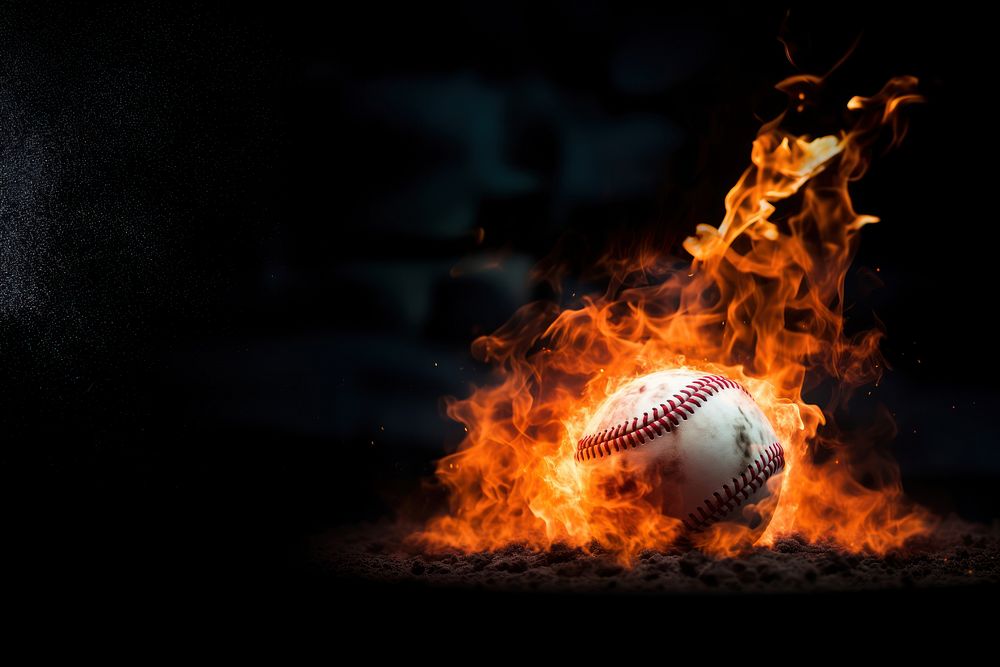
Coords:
700,440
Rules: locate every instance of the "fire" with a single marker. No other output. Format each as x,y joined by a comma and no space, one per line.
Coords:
762,302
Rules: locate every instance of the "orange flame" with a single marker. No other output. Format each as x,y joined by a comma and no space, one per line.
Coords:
762,302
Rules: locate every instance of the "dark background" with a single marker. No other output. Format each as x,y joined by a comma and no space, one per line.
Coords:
243,254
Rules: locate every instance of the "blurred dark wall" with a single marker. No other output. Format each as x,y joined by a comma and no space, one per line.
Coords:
244,253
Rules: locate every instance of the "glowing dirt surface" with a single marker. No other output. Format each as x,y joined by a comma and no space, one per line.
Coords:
956,555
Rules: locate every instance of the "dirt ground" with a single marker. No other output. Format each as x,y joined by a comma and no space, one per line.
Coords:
957,554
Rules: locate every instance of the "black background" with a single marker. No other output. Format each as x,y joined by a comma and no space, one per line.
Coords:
240,261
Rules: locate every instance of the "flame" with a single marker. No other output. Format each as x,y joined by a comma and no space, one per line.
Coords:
762,302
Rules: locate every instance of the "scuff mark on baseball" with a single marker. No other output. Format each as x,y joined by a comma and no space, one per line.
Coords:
698,441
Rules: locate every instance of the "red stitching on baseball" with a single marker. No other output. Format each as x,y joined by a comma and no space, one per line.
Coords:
770,461
624,435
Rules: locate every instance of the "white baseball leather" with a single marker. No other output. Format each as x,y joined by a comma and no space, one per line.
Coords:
700,439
